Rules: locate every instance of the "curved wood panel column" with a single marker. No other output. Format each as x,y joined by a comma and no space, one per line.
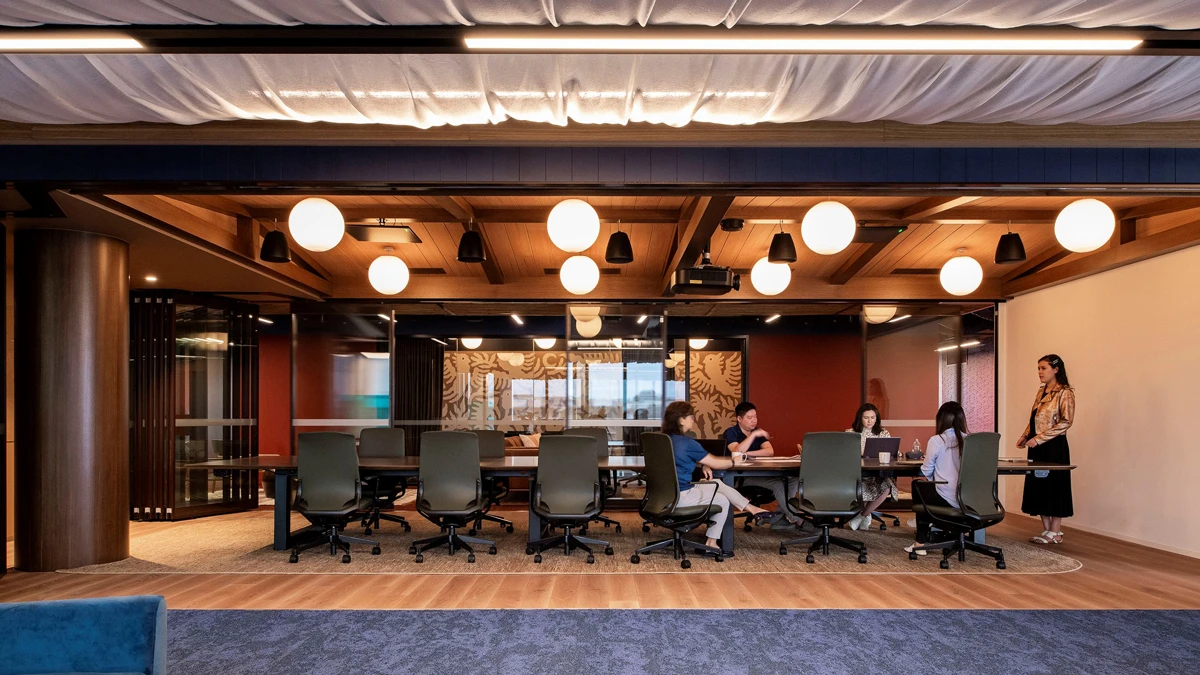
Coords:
72,399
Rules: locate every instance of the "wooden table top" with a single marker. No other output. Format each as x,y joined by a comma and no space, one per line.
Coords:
615,463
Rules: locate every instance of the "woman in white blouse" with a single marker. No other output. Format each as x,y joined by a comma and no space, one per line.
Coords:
876,489
943,456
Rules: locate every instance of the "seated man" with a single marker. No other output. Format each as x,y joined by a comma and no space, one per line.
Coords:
747,438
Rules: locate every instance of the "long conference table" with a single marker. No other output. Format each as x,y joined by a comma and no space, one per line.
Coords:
285,469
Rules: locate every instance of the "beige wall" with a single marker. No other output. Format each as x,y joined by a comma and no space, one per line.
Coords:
1128,338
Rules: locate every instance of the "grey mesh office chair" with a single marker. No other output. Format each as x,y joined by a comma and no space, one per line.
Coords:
830,491
491,445
660,505
978,499
449,491
567,493
384,490
328,493
607,484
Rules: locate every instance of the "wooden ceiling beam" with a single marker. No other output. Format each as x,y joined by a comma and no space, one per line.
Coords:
462,210
429,214
1037,263
932,206
1159,208
1103,260
850,269
222,205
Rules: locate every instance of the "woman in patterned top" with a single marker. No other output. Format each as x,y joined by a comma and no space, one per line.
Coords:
1049,495
876,489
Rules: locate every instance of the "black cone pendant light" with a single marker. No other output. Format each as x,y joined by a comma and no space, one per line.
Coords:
619,250
1010,249
470,248
783,249
275,248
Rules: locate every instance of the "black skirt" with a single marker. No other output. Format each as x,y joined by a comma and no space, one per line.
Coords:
1049,496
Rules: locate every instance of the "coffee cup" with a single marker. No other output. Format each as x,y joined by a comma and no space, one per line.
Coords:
885,458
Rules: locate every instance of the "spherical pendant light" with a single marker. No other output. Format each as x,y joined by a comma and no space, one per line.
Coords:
1084,225
544,343
878,313
698,343
770,278
470,343
388,274
828,228
589,328
516,360
316,224
573,225
579,275
961,275
584,312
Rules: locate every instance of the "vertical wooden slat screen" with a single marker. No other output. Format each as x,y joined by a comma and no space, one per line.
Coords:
151,405
417,392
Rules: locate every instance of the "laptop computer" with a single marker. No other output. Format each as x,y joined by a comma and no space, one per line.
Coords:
878,445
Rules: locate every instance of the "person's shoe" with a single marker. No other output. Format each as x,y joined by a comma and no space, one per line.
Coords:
910,547
912,522
866,523
782,525
853,523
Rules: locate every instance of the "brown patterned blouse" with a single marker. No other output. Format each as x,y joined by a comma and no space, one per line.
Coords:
1053,414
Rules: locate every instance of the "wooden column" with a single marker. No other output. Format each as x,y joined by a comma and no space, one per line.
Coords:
72,411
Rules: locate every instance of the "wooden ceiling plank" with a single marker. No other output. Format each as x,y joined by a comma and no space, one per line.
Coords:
932,206
1160,208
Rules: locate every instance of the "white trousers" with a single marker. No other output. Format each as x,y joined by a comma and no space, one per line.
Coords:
725,498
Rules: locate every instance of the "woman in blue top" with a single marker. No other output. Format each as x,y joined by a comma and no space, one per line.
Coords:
679,419
943,455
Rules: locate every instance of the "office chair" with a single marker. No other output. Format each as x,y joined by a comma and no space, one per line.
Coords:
449,491
328,492
385,490
757,495
491,444
567,493
607,487
978,499
830,491
659,506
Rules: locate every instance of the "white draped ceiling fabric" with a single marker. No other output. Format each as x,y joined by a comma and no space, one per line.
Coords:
433,90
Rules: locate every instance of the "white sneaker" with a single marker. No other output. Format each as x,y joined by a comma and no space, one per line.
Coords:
853,523
909,549
912,522
866,523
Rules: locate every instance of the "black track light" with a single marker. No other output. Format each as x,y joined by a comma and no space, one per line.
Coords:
783,249
470,248
1010,249
275,248
619,250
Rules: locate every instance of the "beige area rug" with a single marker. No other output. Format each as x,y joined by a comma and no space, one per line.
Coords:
241,544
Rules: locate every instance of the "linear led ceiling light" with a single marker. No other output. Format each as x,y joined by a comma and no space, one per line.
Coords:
14,41
879,41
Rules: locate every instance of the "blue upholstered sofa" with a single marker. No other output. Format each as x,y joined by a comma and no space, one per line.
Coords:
103,635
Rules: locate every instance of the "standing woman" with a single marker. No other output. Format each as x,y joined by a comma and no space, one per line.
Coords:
868,423
1049,495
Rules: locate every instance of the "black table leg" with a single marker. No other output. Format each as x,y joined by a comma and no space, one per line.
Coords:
727,532
283,516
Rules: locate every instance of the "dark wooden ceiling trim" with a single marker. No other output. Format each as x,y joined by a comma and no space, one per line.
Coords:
695,235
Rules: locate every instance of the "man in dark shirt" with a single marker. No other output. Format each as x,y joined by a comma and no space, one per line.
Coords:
748,439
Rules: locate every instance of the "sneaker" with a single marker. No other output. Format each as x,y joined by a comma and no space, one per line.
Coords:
910,547
912,522
866,523
853,523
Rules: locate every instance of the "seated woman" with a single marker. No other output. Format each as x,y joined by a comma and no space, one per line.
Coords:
876,489
679,419
943,456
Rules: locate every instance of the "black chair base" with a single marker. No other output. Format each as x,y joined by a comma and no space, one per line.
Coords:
569,542
823,540
602,519
453,540
882,518
960,545
320,535
508,526
371,520
679,548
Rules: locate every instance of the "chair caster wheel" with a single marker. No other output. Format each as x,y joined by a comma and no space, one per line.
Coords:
945,564
635,559
862,558
618,529
645,528
883,527
293,558
376,551
407,527
471,558
509,529
583,531
747,527
591,559
912,555
686,564
782,550
608,551
896,522
607,524
537,558
528,550
419,559
367,532
412,550
720,558
1000,565
810,559
345,558
471,532
491,550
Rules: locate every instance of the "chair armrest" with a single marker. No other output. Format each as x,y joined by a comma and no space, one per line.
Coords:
537,495
701,482
299,489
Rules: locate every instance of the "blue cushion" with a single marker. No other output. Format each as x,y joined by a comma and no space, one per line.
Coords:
102,635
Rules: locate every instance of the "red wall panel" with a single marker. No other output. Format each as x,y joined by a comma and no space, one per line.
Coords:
274,395
803,383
